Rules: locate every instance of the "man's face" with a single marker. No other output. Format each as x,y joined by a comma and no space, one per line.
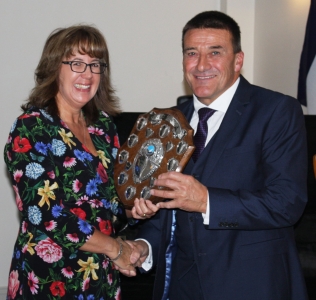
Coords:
210,65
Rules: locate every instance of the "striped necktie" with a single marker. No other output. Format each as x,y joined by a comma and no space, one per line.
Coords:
201,132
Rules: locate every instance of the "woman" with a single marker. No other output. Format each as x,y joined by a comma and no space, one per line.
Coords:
60,155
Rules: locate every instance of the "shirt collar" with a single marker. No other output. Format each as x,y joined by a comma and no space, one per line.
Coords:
222,102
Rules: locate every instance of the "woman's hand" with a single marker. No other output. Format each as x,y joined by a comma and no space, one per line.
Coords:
143,209
123,261
139,254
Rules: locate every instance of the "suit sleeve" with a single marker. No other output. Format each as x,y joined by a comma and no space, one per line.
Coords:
276,195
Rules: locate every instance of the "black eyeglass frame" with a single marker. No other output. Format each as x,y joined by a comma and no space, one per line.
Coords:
90,65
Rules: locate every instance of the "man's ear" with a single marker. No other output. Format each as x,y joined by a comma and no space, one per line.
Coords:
239,61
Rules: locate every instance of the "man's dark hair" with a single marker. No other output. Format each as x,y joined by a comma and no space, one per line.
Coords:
216,20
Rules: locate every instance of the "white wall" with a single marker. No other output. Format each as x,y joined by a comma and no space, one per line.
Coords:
144,38
278,43
243,12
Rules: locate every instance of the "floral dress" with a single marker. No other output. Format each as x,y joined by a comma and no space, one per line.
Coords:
63,193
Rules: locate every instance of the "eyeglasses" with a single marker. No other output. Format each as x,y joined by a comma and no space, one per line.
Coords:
80,67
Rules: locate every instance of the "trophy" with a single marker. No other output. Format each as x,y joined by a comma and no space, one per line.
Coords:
160,141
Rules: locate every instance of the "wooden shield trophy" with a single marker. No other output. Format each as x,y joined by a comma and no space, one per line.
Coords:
160,141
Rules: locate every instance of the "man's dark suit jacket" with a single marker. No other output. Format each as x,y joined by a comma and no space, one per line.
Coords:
255,170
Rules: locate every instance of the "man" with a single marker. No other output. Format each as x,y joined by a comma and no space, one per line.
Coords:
236,204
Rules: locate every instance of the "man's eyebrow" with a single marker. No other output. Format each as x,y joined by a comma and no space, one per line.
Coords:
216,47
189,48
210,47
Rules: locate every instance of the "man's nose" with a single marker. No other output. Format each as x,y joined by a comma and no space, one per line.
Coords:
203,63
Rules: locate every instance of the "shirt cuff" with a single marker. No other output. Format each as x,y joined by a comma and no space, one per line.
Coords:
206,216
148,263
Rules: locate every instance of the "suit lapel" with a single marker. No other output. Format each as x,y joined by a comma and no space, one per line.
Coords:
206,163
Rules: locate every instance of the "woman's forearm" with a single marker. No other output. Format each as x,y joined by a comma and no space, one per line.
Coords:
102,243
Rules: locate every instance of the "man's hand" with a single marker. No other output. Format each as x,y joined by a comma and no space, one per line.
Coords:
140,252
186,192
138,255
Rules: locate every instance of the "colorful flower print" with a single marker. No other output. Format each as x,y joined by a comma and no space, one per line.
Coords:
106,203
114,152
47,193
13,126
62,192
107,138
9,156
73,237
118,294
96,131
88,267
18,200
14,284
46,115
34,170
116,142
67,272
48,250
34,215
79,213
9,140
82,200
105,227
95,203
110,280
58,147
41,148
51,225
33,114
58,289
17,175
33,282
51,174
29,246
83,155
85,284
84,227
69,162
67,137
92,187
76,186
56,211
24,226
21,145
103,158
102,173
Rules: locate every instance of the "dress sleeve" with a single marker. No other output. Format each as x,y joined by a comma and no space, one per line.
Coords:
32,154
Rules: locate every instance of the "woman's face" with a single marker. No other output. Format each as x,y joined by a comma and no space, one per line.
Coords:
76,89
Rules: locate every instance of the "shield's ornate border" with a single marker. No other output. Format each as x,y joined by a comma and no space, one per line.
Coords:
160,141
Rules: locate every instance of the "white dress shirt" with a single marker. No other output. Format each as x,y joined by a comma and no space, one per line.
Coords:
221,105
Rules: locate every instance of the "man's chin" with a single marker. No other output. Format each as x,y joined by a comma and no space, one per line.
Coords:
204,98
